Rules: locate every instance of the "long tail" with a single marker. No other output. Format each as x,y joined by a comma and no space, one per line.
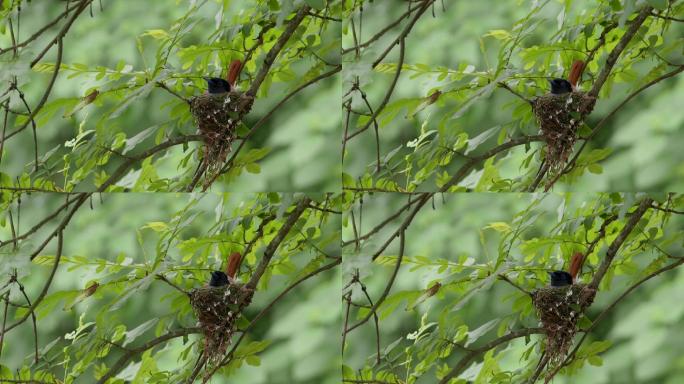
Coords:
234,71
233,264
576,264
576,72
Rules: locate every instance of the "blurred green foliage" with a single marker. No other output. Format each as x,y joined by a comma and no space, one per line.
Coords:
464,241
124,50
446,106
119,243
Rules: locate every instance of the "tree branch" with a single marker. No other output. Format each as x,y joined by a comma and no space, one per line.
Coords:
463,363
465,168
615,53
123,360
602,122
269,114
617,243
46,94
268,307
615,302
81,7
277,47
275,243
388,287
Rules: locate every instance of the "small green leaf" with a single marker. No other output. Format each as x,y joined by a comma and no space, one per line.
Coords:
595,168
253,360
499,227
318,4
595,360
157,226
157,34
253,168
658,4
499,34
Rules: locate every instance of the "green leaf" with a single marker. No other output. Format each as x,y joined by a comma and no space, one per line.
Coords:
135,140
157,226
139,330
499,226
142,91
595,360
658,4
253,360
254,155
499,34
481,138
253,168
157,34
475,334
595,168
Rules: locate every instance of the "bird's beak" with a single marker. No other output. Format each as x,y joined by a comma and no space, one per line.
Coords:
206,78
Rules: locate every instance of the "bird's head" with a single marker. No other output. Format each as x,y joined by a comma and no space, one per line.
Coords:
218,279
560,86
560,278
217,85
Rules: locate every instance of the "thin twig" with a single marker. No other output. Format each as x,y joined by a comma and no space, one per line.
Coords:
388,94
40,31
4,320
388,287
277,240
268,307
179,289
46,287
46,94
383,31
615,53
619,240
463,363
62,32
615,302
275,50
132,352
521,289
269,114
602,122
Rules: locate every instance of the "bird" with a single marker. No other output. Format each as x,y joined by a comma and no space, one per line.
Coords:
217,86
233,265
576,265
218,279
561,86
234,70
560,278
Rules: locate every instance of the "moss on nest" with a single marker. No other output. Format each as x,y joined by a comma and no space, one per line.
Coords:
217,117
559,118
217,308
559,309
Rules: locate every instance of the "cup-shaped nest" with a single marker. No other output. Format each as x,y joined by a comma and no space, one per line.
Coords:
560,117
559,309
217,117
217,308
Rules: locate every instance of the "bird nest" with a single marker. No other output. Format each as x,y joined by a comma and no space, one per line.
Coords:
560,117
559,309
217,117
217,308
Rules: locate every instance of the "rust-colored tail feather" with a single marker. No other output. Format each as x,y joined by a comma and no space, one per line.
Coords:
234,71
576,264
233,264
576,72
